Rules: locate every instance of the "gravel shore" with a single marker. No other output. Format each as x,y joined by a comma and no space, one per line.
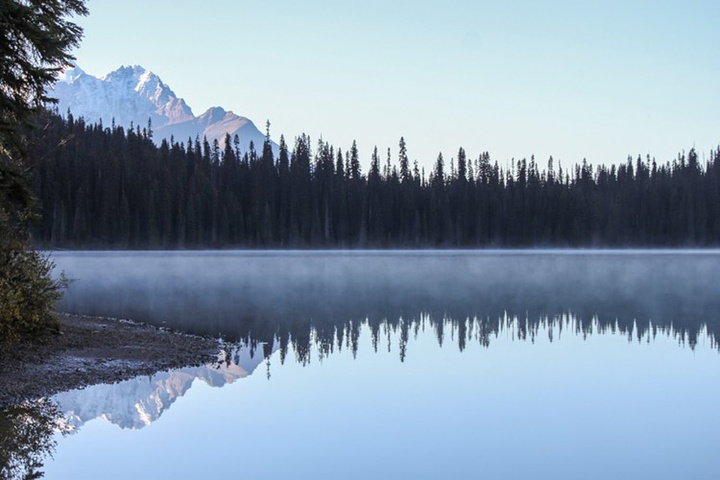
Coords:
92,350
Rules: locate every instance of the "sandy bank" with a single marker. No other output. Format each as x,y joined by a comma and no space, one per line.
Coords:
94,350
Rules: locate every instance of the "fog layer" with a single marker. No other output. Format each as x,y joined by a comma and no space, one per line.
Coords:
236,293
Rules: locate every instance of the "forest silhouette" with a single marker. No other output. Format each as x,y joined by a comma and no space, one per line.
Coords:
107,187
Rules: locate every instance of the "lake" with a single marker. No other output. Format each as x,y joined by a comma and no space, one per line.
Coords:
406,364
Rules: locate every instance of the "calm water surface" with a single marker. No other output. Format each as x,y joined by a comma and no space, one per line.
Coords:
556,364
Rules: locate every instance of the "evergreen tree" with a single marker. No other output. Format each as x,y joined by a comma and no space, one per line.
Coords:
404,166
35,43
103,190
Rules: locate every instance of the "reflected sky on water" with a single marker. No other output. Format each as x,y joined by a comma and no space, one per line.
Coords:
596,406
599,366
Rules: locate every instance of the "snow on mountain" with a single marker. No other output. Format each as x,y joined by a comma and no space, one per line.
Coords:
149,86
78,91
127,95
134,95
70,74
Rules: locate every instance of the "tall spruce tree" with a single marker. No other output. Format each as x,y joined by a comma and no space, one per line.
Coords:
404,166
35,42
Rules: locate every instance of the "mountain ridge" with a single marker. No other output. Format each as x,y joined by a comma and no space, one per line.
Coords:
135,96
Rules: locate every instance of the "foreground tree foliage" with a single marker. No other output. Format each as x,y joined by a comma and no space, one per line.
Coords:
107,187
27,290
35,41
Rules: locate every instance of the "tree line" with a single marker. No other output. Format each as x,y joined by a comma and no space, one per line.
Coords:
110,187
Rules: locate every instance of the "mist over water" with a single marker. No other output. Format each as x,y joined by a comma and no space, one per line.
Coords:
407,364
236,294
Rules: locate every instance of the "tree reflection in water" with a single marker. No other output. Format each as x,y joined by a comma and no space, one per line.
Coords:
306,306
27,437
261,296
302,339
27,430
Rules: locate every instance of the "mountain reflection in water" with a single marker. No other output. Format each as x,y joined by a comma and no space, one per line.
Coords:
506,399
136,403
408,365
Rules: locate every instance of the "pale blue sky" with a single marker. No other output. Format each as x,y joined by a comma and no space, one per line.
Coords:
600,80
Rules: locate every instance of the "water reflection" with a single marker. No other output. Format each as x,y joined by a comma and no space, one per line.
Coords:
258,296
535,377
279,311
136,403
29,431
27,437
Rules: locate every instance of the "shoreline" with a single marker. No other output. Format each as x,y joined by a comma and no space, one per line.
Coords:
91,350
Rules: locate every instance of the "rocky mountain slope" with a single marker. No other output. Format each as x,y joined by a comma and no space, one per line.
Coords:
135,96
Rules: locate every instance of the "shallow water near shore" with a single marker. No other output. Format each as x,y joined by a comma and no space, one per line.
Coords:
453,364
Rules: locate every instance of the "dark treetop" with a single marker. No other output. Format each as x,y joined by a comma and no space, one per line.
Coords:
106,187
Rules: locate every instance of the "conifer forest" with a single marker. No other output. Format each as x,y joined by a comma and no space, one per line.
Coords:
110,187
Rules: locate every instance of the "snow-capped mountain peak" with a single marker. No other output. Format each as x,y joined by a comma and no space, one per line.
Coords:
140,80
70,74
133,95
